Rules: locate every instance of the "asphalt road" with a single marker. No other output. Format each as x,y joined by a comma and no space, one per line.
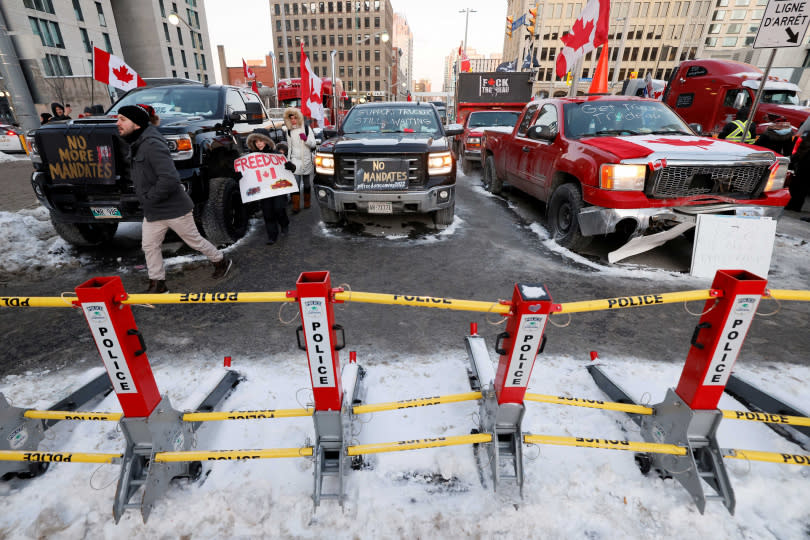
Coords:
490,247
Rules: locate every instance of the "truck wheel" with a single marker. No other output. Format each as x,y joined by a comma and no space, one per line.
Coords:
224,218
85,234
490,177
563,223
466,167
329,216
444,216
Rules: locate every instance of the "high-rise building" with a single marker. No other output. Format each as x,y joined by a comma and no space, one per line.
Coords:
160,45
422,85
359,32
403,39
53,40
478,63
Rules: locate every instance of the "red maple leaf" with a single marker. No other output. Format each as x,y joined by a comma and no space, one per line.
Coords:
579,35
122,74
700,143
491,82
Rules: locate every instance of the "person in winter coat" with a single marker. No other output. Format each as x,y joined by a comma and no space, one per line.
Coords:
44,118
800,183
58,112
301,143
273,208
166,205
733,131
778,136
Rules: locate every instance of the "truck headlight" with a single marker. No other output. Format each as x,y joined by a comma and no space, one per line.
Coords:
324,163
776,180
621,177
474,141
440,163
180,146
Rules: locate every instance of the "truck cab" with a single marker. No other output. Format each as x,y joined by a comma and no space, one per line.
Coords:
705,92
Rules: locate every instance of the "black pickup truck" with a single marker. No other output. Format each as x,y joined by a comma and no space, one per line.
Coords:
387,158
81,171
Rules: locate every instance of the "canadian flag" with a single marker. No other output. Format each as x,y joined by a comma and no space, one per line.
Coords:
249,73
113,71
589,32
465,62
311,90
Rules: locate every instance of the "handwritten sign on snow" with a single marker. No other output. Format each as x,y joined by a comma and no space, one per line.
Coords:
732,243
263,176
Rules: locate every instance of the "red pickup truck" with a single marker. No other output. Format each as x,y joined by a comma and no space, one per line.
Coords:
605,164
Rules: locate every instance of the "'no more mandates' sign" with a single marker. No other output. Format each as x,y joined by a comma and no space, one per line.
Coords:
783,24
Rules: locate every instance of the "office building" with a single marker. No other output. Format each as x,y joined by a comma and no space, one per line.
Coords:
403,40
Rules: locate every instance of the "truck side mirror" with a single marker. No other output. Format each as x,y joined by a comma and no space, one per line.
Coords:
329,132
541,133
697,128
453,129
254,112
740,100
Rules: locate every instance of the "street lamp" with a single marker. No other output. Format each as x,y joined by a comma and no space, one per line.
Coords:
384,37
175,19
626,20
272,55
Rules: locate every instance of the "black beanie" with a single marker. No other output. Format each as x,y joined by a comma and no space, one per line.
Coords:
136,113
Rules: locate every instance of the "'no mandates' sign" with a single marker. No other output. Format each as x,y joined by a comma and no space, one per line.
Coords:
783,24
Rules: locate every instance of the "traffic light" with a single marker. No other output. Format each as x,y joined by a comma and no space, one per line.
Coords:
532,19
509,21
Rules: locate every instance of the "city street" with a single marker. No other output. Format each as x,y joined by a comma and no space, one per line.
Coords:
493,243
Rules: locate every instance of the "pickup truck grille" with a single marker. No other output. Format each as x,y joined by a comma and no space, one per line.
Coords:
687,180
347,164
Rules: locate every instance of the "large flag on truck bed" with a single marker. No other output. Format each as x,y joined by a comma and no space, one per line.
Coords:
311,90
587,33
113,71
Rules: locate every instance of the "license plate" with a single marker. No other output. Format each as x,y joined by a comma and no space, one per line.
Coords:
380,208
105,212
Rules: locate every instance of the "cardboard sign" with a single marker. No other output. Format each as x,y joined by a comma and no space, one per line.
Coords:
741,243
84,156
263,176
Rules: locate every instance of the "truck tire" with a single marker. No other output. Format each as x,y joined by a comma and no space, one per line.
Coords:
562,212
224,217
85,234
444,216
329,216
466,167
490,177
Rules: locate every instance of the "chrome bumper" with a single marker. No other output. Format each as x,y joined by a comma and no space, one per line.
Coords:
595,220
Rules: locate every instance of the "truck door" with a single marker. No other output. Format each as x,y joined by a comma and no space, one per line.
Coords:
541,154
517,154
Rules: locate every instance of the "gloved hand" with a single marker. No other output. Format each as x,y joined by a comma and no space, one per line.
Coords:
290,166
303,137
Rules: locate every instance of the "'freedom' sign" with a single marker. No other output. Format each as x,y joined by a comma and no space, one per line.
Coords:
263,176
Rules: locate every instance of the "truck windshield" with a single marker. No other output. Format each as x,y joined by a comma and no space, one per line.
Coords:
175,101
606,118
493,118
402,119
781,97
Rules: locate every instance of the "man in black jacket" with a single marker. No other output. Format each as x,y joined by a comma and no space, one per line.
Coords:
165,203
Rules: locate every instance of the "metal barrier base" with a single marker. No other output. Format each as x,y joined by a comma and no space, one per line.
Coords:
22,434
162,431
673,422
503,422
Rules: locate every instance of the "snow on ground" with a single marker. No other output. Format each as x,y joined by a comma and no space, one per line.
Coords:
12,157
429,493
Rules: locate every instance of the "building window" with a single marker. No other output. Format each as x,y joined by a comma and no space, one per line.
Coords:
102,21
171,59
185,74
48,32
202,61
183,58
174,73
377,55
711,42
738,14
56,66
107,43
719,15
166,32
729,42
179,35
196,61
734,28
86,40
276,8
77,10
162,9
741,2
714,28
40,5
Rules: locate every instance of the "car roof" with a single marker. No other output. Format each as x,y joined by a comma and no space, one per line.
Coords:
383,104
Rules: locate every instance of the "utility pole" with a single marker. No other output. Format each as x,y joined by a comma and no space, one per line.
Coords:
467,12
621,50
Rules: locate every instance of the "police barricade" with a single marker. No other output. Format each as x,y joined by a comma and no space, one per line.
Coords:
679,432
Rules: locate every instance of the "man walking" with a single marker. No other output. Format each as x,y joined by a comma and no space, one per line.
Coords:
165,203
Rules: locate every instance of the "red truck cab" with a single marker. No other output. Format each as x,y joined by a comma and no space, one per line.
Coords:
468,144
605,164
704,92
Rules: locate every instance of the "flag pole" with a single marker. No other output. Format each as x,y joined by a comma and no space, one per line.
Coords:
92,77
575,76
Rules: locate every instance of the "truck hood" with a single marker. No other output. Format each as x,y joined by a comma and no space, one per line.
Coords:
650,148
385,142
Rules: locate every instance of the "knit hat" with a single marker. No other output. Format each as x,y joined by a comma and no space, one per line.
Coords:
137,113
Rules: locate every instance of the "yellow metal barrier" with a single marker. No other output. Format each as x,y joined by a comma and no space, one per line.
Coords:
423,301
399,446
769,457
609,444
73,415
789,294
418,402
58,457
641,300
590,403
209,298
246,415
768,418
217,455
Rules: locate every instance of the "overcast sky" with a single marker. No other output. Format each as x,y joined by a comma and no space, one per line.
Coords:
437,28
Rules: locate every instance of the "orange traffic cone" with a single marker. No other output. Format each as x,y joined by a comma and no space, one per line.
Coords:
600,76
